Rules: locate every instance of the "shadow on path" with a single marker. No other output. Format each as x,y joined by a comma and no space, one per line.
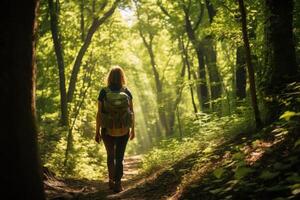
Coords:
59,189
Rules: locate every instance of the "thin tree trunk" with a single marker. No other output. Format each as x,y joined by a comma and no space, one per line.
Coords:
249,64
60,61
201,67
213,71
179,88
158,84
240,73
179,123
21,172
185,58
93,28
211,60
77,109
190,30
82,28
211,10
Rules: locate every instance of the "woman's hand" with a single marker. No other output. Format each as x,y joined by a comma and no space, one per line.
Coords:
131,134
98,137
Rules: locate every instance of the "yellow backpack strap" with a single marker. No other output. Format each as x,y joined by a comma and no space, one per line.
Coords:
123,89
106,89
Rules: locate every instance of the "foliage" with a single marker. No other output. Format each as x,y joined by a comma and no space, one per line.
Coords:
118,42
212,132
251,166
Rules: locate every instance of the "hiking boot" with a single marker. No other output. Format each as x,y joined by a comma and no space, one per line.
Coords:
118,187
111,184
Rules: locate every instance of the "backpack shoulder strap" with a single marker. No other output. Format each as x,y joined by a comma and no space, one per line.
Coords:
106,89
123,89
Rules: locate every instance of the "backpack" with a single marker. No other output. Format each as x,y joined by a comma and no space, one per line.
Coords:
116,113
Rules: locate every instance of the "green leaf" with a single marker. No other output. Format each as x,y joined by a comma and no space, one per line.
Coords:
295,186
296,191
238,156
255,143
194,186
219,172
241,172
297,143
276,188
208,150
267,175
295,178
288,114
215,191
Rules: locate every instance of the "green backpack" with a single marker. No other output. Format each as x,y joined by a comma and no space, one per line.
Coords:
116,113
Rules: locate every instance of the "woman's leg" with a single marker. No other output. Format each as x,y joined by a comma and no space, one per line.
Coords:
121,143
109,144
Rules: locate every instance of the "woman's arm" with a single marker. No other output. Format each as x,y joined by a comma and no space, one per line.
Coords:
97,135
132,132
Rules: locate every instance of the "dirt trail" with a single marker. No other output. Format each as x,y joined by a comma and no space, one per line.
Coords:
159,185
132,166
87,189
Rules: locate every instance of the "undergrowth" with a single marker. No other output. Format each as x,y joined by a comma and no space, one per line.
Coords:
263,165
201,134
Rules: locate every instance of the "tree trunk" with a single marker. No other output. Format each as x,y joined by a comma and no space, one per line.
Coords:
82,28
249,64
21,170
297,30
282,58
93,28
203,82
280,51
213,71
201,67
147,41
240,73
179,123
211,60
211,10
77,108
158,84
185,59
60,61
178,92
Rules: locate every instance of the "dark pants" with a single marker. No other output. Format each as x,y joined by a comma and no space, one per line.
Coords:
115,149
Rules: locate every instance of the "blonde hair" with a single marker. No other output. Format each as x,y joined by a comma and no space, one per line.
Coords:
116,77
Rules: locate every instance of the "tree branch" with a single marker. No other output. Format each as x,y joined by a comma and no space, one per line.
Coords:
200,16
93,28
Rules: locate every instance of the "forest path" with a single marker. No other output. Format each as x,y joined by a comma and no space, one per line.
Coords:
56,188
161,184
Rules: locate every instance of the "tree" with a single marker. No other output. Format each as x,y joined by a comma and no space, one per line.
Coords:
211,59
280,50
249,64
191,28
186,17
97,22
21,173
178,90
240,73
53,10
67,96
147,32
185,60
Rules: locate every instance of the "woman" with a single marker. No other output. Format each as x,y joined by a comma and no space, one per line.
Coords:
115,132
